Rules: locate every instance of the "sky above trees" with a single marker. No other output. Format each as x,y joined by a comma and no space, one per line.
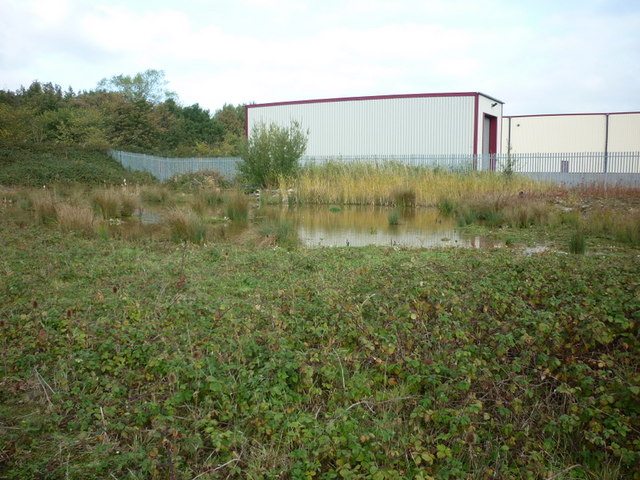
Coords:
537,57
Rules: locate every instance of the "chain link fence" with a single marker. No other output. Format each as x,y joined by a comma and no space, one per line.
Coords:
164,168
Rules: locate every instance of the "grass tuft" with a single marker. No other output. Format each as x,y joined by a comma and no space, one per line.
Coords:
205,199
237,206
44,207
281,232
115,202
107,202
157,195
446,206
404,197
186,226
577,242
394,217
76,218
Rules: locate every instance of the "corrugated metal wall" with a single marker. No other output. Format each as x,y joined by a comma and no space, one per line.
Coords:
624,132
572,133
369,127
557,133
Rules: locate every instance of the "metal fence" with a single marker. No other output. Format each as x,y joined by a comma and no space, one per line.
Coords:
570,169
164,168
457,162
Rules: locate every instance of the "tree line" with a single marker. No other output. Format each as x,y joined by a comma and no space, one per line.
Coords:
134,113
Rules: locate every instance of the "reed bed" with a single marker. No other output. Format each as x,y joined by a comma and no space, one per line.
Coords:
371,183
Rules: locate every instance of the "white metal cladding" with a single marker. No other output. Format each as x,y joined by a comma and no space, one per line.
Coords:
624,132
556,133
489,106
378,126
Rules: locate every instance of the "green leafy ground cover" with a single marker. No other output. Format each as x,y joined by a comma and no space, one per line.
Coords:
149,359
49,166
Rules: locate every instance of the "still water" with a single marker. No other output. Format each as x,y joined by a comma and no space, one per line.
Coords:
325,226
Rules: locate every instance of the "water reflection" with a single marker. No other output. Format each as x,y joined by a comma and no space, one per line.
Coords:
325,226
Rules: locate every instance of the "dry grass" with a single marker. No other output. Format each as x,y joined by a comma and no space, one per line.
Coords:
129,203
44,206
624,226
115,203
365,183
76,218
157,195
107,202
205,199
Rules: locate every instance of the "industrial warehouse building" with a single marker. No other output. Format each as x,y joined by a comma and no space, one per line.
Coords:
585,143
393,126
459,127
587,132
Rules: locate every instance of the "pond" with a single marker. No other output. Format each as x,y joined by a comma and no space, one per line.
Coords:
327,226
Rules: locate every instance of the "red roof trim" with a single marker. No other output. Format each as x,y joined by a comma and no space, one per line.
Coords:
374,97
569,114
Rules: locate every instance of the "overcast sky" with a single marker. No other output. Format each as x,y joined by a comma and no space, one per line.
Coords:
537,56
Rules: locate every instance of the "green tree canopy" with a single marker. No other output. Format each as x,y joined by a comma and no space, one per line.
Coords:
148,85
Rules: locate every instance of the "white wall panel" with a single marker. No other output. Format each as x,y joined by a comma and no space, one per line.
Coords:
624,132
557,133
379,126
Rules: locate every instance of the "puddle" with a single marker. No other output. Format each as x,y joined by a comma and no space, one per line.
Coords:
147,218
325,226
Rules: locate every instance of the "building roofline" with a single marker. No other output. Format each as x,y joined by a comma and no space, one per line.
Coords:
373,97
569,114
